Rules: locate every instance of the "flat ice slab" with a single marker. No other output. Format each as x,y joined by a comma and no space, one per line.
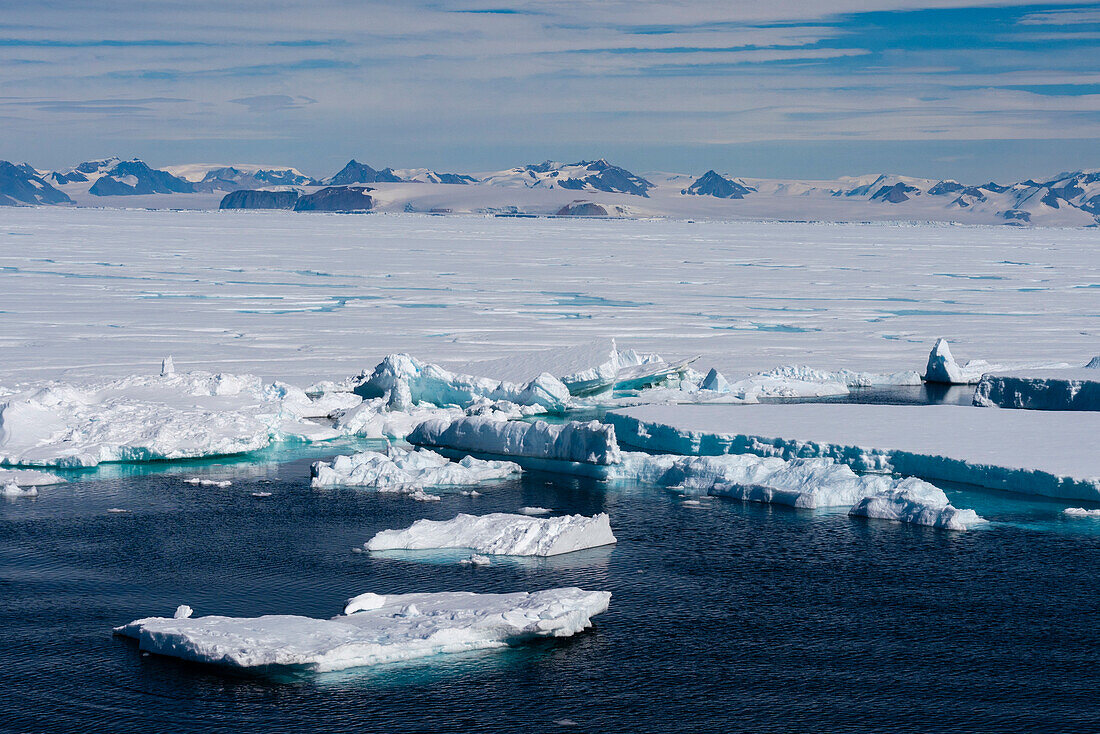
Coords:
397,469
374,629
576,441
1072,389
501,534
1032,452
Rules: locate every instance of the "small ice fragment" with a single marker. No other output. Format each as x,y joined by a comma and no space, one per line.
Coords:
183,612
470,493
534,511
116,510
692,503
476,560
167,367
199,481
356,550
11,489
1080,512
565,722
715,381
364,603
261,494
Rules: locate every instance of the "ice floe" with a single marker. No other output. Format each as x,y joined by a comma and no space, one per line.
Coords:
145,418
943,368
407,472
501,534
581,442
11,489
199,481
375,629
29,477
1032,452
1081,512
1065,389
917,502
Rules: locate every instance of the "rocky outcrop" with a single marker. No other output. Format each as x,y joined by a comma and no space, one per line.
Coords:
360,173
129,178
712,184
582,209
337,199
21,185
251,199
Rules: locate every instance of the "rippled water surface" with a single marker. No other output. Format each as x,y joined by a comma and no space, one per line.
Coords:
725,616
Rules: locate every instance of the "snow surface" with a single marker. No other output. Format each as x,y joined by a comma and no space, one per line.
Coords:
501,534
375,629
256,292
1066,389
1033,452
916,502
576,441
29,477
150,417
398,470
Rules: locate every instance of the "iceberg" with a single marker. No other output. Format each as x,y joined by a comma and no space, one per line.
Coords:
11,489
943,368
374,629
1065,389
404,381
399,470
579,442
1081,512
500,534
147,418
916,502
1031,452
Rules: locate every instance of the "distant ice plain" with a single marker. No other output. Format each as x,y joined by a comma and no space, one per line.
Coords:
86,292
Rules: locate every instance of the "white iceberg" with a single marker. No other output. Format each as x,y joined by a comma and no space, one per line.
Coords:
11,489
1081,512
378,629
943,368
146,418
404,381
585,443
916,502
1054,389
201,482
29,477
399,470
500,534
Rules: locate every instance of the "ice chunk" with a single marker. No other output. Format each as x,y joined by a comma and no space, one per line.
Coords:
534,511
916,502
372,419
11,489
715,382
404,382
199,481
183,612
376,632
399,470
501,534
942,367
29,477
1081,512
145,418
1068,389
589,443
476,560
167,367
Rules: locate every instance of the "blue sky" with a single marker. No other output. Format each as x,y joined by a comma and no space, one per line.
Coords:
927,87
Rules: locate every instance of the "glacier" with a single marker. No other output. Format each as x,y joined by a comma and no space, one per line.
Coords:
500,534
374,629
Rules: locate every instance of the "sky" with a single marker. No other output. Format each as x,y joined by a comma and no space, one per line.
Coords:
784,88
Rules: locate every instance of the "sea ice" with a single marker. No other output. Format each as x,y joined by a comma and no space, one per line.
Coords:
587,443
1081,512
11,489
377,629
916,502
145,418
29,477
399,470
1066,389
501,534
1033,452
943,368
534,511
199,481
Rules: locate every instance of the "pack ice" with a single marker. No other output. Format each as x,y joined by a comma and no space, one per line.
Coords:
374,629
584,443
500,534
943,368
145,418
400,470
1066,389
914,501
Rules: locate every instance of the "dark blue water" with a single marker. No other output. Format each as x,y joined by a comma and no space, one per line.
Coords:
725,617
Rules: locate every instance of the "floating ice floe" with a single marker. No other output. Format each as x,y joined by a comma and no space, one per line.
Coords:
1032,452
375,629
534,511
943,368
145,418
29,477
407,472
1081,512
476,560
500,534
1065,389
585,443
917,502
199,481
11,489
404,382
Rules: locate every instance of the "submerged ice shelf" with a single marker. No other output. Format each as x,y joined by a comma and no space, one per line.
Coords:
500,534
1032,452
374,629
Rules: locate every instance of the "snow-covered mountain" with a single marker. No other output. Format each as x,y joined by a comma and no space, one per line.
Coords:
114,177
20,184
582,176
426,175
711,184
239,176
360,173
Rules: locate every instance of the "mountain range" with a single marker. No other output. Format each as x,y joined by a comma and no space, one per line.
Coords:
549,188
